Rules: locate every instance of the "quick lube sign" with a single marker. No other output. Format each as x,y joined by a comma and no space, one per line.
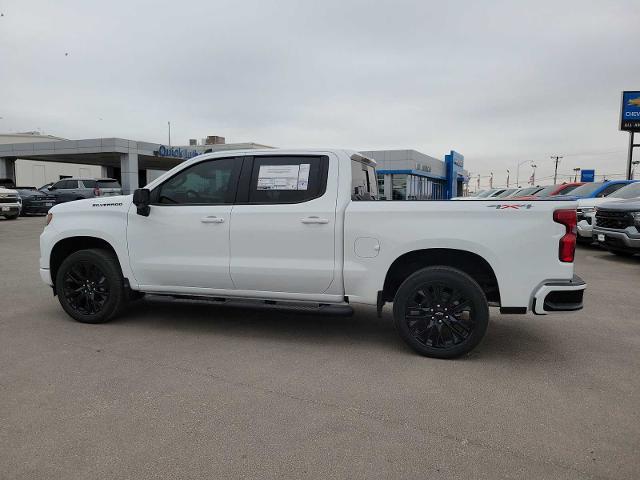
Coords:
176,152
630,111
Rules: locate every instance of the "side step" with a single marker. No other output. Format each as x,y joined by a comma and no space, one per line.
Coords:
336,309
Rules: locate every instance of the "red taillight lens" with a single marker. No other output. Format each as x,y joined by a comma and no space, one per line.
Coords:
569,219
96,192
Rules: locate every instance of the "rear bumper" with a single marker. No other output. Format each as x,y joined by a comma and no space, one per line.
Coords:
557,296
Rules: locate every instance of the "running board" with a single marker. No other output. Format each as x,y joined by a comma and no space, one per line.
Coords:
336,309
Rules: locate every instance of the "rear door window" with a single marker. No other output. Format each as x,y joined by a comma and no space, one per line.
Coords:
287,179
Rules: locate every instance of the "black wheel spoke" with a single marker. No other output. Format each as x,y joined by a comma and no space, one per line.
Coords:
86,288
434,315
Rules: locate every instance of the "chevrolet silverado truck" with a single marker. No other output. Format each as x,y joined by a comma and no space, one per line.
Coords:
617,226
303,229
10,203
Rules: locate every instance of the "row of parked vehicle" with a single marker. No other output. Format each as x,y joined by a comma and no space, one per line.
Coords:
16,201
608,212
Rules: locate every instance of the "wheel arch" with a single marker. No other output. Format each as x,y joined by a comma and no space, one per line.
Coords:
470,263
66,246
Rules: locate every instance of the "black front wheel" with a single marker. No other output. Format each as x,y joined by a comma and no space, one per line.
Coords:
441,312
90,286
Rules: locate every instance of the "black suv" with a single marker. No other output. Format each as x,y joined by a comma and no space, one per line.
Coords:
617,226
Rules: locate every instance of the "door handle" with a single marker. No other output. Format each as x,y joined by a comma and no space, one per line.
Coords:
212,219
314,219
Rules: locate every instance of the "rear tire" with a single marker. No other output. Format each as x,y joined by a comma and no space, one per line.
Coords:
441,312
90,286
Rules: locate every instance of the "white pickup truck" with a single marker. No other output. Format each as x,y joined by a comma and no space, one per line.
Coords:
303,228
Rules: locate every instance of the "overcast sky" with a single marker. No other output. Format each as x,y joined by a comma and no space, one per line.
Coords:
498,81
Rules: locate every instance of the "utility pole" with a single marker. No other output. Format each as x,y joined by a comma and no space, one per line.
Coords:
507,178
555,175
577,169
169,125
491,180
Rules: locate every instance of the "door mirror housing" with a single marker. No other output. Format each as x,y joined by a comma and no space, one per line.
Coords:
142,199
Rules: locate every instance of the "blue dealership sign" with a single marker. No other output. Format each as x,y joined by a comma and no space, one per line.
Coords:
630,112
587,175
176,152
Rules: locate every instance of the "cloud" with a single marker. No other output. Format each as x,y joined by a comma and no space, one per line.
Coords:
498,81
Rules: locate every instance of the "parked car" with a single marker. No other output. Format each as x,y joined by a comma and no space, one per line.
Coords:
598,189
34,201
587,209
69,189
617,226
10,203
485,194
522,192
551,191
280,227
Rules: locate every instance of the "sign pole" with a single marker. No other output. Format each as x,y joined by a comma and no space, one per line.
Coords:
630,157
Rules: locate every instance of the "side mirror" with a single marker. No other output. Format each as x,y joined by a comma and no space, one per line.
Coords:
141,199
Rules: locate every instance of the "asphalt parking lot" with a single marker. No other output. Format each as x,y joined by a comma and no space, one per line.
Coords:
186,390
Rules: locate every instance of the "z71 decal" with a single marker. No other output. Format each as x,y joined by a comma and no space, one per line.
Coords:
507,206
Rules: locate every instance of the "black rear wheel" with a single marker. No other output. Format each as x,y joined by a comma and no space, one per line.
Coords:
441,312
90,286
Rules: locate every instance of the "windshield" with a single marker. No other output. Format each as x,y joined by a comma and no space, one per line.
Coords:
507,192
570,188
485,193
528,191
586,189
630,191
547,191
108,184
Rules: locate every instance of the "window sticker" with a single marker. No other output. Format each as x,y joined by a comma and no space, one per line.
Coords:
303,176
280,177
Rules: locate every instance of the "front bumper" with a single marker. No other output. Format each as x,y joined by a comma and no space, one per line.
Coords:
618,238
559,296
585,229
45,275
12,209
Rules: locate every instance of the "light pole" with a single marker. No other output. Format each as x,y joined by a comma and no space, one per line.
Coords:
169,125
508,178
575,178
478,188
533,175
518,171
491,180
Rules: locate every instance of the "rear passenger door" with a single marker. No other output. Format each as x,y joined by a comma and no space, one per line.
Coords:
283,225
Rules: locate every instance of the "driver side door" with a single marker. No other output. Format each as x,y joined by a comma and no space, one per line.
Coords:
183,245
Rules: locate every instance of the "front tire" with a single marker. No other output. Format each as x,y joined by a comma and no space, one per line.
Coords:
90,286
11,217
441,312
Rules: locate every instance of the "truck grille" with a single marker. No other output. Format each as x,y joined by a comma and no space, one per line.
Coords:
613,219
8,199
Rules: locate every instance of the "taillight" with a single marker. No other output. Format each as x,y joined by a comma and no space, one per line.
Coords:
568,218
96,192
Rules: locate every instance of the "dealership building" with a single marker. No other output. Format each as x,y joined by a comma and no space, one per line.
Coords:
32,159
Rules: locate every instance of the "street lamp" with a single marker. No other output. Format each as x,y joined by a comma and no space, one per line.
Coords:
518,171
533,175
508,178
577,169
